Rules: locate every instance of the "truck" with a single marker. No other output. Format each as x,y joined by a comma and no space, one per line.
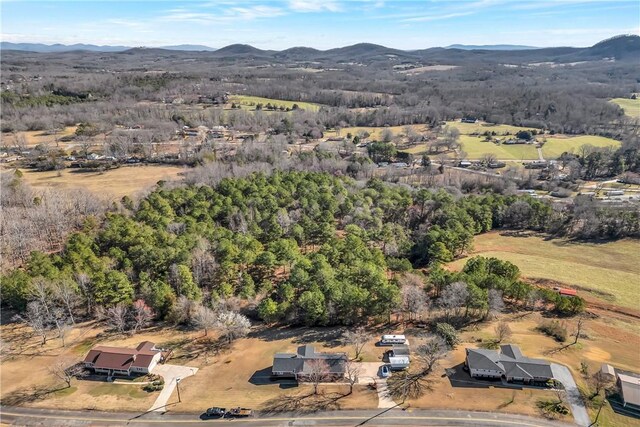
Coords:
239,412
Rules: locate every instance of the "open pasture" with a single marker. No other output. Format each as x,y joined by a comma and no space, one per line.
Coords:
249,102
607,268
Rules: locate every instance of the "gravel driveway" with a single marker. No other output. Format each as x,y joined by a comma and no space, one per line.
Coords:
580,414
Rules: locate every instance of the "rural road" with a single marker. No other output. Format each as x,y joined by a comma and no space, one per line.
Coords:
562,374
394,417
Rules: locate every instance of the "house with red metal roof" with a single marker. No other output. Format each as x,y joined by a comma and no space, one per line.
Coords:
123,361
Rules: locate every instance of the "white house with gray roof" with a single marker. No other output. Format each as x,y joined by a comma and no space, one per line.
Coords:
508,364
300,364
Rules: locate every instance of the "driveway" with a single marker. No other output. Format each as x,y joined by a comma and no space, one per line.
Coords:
580,414
170,373
369,374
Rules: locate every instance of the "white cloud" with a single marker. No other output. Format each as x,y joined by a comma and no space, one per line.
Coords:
223,15
314,6
427,18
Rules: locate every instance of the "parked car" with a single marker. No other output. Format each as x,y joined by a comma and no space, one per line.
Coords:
385,371
215,412
239,412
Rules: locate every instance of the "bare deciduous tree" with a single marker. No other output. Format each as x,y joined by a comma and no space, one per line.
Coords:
35,316
414,300
117,317
318,372
454,297
357,338
503,331
232,324
65,291
204,318
351,373
141,314
495,302
600,381
66,371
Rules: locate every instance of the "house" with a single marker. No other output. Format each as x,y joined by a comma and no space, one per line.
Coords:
123,361
629,389
469,119
464,164
301,364
507,364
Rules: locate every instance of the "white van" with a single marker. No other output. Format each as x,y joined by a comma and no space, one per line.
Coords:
393,339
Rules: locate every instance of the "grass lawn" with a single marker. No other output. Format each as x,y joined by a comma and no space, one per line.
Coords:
36,137
480,127
611,267
476,148
555,146
631,107
249,102
115,183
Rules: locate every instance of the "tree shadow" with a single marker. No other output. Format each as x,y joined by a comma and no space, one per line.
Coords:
304,403
26,395
190,349
331,337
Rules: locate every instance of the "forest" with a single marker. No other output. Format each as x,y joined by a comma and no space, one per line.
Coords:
299,247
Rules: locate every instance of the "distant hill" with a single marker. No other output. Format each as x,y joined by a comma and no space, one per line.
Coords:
190,47
490,47
48,48
620,48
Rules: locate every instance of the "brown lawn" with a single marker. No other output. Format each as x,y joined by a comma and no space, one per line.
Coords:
112,184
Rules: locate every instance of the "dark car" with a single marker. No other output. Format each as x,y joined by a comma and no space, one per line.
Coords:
215,412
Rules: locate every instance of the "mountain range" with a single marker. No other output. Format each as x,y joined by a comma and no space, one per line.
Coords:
620,48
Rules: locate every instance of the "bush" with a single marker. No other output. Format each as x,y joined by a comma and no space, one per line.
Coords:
448,333
554,329
550,408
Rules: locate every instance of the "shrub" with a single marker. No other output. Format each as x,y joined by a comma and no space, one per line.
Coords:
554,329
448,333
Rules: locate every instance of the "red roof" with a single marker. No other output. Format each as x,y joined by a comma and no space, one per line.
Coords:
570,292
104,357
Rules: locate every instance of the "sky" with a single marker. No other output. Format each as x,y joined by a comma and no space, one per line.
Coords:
322,24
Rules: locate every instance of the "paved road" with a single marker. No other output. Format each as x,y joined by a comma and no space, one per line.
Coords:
580,414
170,373
394,417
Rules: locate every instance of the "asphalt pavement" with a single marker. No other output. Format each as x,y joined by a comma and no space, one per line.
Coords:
387,417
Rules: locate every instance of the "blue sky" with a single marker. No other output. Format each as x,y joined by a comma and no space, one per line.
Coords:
320,24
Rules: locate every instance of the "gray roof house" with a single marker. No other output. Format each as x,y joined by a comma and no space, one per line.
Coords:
508,364
299,365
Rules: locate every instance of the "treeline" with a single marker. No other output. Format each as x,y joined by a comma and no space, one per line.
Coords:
318,247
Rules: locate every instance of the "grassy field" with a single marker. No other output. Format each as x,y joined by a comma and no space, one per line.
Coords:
612,267
476,148
115,183
249,102
480,127
555,146
631,107
376,132
33,138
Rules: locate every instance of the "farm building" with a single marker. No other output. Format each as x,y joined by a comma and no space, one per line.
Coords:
301,364
123,361
507,364
566,292
629,389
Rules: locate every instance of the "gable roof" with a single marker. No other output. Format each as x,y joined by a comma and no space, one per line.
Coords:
300,361
122,358
510,362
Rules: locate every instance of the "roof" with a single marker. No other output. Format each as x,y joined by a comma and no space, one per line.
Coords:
509,361
401,350
300,361
565,291
122,358
630,388
607,369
